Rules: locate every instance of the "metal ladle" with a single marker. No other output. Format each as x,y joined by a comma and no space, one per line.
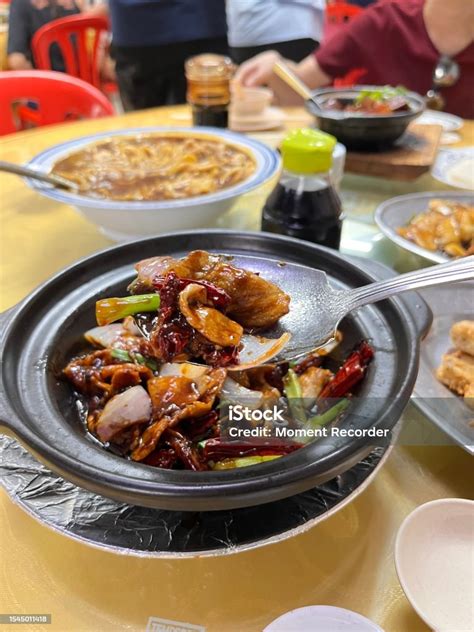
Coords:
316,309
27,172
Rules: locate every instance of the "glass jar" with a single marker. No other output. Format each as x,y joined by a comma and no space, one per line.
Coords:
208,78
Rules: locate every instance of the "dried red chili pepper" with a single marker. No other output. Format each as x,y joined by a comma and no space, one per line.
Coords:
216,295
350,373
185,451
164,458
198,429
227,356
173,334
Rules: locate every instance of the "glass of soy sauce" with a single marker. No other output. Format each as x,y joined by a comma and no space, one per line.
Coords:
304,203
208,88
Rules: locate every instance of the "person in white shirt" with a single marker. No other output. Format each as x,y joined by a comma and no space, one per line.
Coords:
291,27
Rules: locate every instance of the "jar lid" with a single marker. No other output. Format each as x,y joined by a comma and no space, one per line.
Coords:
209,67
308,151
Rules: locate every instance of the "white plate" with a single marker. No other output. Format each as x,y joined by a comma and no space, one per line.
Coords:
434,554
398,211
322,619
449,122
448,411
455,167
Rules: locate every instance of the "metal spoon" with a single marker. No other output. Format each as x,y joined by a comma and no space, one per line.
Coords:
316,308
27,172
445,74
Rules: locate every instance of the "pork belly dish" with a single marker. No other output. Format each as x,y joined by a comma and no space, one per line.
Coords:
164,362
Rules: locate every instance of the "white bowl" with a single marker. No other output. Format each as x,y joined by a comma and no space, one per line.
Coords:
322,619
132,220
434,556
250,101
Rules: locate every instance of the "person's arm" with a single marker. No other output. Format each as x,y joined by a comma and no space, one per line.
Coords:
352,47
18,49
18,61
258,71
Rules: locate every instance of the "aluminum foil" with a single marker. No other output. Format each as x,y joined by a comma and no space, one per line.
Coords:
147,532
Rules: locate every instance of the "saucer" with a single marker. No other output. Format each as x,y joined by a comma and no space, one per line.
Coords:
455,167
434,551
270,118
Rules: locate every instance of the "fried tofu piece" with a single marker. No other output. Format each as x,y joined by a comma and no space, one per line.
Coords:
457,373
462,335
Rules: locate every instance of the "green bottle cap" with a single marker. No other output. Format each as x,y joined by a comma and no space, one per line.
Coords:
308,151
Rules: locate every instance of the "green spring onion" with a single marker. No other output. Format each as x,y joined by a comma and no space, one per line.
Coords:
382,94
294,395
136,358
244,461
109,310
329,415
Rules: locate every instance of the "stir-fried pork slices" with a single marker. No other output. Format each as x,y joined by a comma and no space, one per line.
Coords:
209,322
254,302
175,398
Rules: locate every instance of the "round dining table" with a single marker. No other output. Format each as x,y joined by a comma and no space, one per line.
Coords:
346,560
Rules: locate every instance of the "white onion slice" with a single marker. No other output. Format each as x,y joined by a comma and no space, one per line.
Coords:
183,369
126,409
234,393
257,350
105,336
330,345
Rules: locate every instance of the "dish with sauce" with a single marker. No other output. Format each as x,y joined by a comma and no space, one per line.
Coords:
167,360
372,102
154,167
446,227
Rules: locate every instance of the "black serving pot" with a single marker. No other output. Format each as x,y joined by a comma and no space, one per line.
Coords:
361,131
41,333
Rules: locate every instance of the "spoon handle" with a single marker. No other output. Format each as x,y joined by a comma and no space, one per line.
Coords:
28,172
459,270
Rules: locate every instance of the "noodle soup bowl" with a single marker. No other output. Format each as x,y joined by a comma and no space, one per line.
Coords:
127,220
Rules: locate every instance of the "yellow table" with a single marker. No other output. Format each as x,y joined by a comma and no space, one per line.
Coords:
345,561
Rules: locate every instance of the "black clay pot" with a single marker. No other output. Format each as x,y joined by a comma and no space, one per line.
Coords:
40,334
360,131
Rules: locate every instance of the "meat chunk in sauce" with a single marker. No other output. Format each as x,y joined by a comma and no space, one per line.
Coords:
254,302
175,398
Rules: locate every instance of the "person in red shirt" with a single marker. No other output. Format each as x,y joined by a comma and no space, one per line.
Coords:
395,42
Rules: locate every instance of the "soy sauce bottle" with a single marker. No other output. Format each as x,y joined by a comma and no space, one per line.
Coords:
304,203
